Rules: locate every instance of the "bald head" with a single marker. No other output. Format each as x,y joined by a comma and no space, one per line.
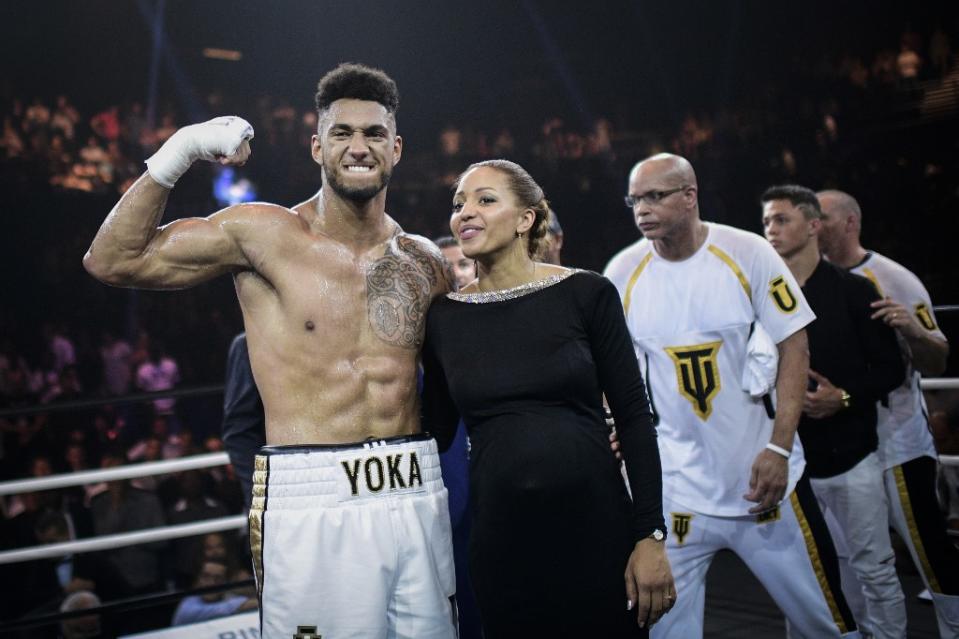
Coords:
80,627
673,168
662,195
840,204
841,226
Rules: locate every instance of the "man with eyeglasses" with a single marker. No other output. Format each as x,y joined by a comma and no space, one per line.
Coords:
694,293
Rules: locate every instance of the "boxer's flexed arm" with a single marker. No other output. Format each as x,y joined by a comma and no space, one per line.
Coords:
130,250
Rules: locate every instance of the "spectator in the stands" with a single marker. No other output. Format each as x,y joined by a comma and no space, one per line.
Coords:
196,503
117,364
908,64
106,124
59,346
87,627
123,508
64,386
24,510
160,372
196,608
60,576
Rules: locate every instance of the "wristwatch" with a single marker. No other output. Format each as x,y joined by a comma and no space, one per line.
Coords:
844,398
657,535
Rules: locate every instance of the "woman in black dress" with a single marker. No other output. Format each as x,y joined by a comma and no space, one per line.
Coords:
524,354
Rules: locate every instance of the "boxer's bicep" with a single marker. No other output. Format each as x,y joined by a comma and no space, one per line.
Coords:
180,254
190,251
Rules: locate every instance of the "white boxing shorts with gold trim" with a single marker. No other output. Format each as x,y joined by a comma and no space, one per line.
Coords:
353,541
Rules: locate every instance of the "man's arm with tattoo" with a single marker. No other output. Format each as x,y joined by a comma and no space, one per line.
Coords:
400,286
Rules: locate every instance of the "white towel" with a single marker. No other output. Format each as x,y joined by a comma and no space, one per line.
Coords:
762,363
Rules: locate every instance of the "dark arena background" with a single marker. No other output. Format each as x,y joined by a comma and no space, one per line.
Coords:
822,94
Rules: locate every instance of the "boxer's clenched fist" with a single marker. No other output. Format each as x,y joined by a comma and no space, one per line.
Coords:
225,139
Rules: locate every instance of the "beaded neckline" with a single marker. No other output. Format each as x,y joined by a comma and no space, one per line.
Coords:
510,293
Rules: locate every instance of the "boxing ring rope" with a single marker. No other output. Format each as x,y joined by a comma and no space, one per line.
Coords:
133,398
109,542
130,471
146,469
208,460
942,383
120,605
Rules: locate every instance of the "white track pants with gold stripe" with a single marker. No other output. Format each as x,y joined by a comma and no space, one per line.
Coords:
788,550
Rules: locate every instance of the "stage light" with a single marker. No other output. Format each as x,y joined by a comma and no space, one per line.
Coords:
222,54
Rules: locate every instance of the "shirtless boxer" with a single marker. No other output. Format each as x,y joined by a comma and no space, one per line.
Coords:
349,523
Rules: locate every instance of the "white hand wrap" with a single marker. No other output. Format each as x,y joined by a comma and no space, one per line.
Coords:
219,137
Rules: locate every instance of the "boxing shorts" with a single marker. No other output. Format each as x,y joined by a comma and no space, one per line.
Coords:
353,540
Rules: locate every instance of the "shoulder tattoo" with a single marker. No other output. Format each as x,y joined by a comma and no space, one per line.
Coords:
399,287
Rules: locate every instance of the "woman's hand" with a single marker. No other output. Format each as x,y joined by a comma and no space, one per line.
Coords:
649,582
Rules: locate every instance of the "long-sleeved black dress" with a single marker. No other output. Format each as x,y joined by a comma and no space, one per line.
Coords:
553,525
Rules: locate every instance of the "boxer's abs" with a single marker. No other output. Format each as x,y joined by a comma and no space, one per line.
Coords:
340,400
334,342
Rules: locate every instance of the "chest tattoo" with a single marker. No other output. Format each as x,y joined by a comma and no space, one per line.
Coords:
398,288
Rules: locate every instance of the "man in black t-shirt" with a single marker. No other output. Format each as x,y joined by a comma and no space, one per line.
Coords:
854,362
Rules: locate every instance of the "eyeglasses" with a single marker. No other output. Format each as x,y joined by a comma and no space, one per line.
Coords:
651,197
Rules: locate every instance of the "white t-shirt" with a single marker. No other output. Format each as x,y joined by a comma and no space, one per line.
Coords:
903,427
690,322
